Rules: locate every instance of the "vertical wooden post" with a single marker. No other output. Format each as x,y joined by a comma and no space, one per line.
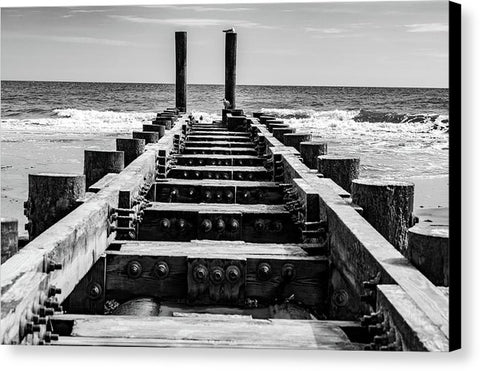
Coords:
428,250
131,148
97,164
294,139
9,236
310,151
342,170
181,71
50,198
148,136
230,67
387,206
279,132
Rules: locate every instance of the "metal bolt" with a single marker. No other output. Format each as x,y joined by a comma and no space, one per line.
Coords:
181,224
94,291
276,226
229,195
134,269
233,274
240,176
288,272
45,312
51,266
53,290
218,196
30,327
185,174
217,275
206,225
220,225
161,270
264,271
259,225
174,193
207,196
246,195
48,337
197,174
226,176
200,273
165,224
234,225
191,192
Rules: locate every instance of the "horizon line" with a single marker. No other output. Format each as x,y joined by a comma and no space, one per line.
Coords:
285,85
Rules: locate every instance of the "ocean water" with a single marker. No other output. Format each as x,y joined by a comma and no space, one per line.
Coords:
45,126
387,149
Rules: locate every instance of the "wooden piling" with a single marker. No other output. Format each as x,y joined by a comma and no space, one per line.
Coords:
428,250
230,67
294,139
99,163
50,198
131,148
342,170
160,129
279,132
387,206
148,136
9,237
164,121
310,152
181,71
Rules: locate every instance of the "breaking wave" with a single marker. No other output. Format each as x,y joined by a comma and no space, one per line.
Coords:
75,121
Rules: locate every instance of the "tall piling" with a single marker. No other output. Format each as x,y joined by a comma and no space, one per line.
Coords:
50,198
341,169
131,148
230,67
181,71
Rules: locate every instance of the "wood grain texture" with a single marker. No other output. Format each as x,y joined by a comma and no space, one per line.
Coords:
218,332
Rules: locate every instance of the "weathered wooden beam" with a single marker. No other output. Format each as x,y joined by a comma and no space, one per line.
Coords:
308,281
219,151
102,183
148,136
217,160
131,148
203,331
185,222
214,138
414,329
220,172
219,143
97,164
217,132
217,191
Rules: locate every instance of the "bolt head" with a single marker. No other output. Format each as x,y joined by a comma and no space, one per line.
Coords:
134,269
161,269
200,273
165,224
206,225
259,225
233,274
220,225
288,272
234,225
217,275
181,224
94,291
264,271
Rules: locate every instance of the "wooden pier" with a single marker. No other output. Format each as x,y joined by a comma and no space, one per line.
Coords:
219,234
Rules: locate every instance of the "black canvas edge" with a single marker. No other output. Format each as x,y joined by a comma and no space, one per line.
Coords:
455,319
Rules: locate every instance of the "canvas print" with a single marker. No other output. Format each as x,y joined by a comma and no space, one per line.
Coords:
228,175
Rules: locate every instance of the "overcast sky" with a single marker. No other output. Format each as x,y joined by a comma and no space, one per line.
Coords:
349,44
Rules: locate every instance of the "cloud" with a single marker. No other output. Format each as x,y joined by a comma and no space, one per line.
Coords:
201,8
191,22
325,30
77,40
427,27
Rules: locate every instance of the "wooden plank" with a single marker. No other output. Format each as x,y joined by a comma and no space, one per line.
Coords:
417,331
76,242
309,284
203,332
219,133
217,138
220,172
220,151
219,143
216,160
102,183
